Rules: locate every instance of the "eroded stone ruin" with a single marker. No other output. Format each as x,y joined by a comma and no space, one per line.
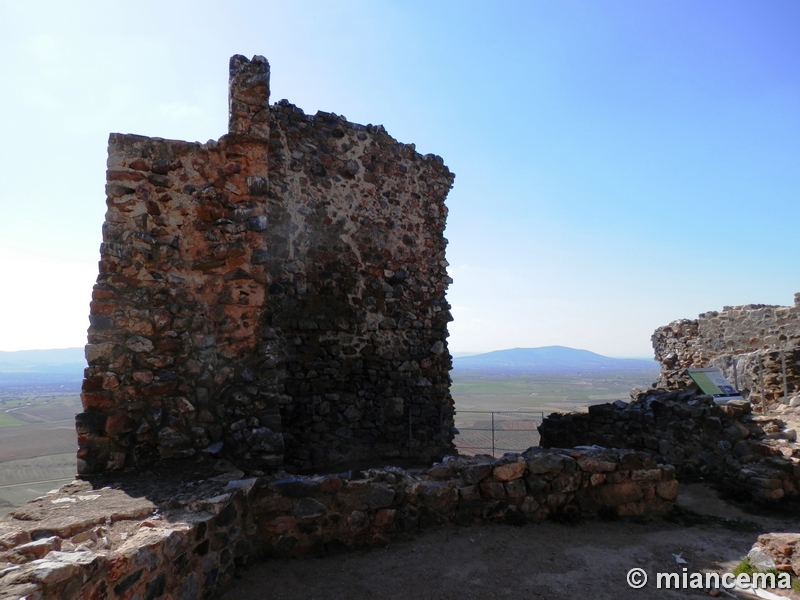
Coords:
747,343
184,539
755,455
276,297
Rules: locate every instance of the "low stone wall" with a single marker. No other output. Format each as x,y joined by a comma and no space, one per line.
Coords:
746,453
148,539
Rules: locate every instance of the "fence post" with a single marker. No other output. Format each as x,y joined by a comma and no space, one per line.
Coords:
761,383
492,434
783,372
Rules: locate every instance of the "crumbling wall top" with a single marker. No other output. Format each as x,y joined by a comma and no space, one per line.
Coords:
248,96
762,340
276,297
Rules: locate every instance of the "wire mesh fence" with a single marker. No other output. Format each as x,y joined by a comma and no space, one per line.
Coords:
496,432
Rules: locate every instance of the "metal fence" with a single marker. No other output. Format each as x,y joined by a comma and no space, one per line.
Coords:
496,432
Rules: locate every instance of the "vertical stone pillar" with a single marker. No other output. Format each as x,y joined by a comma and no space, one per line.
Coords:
248,97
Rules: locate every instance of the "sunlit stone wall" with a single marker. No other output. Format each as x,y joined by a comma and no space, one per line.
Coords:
276,296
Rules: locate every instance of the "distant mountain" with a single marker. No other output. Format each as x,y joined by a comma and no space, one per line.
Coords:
42,361
551,359
40,371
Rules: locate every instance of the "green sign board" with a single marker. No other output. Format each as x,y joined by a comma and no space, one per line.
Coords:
712,382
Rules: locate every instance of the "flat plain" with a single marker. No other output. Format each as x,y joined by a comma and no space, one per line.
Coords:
543,393
499,413
37,444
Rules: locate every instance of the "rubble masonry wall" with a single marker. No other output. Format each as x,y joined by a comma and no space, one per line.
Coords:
751,455
276,296
741,335
188,546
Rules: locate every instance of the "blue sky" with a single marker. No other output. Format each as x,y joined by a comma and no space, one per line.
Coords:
619,164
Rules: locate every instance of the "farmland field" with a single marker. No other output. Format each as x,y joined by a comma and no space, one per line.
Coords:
35,458
519,403
32,408
543,393
24,479
7,420
36,440
37,443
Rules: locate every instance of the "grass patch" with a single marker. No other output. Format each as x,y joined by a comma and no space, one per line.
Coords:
745,566
7,420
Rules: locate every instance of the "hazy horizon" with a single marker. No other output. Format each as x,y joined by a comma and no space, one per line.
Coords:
616,163
454,354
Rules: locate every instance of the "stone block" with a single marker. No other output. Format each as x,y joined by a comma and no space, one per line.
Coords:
436,495
441,471
566,483
510,471
384,517
620,493
668,490
469,493
593,465
515,488
535,484
493,490
309,508
295,487
379,497
476,472
546,463
646,475
529,505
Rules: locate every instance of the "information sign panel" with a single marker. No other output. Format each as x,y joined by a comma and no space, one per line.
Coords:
712,382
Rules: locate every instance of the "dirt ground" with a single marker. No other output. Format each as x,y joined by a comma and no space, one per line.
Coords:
587,559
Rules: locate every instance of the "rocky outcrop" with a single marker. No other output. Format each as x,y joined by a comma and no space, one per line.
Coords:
276,296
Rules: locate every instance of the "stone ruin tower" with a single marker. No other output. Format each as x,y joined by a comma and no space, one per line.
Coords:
276,297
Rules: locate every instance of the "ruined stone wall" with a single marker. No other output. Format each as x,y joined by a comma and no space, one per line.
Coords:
743,335
277,296
745,453
185,540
